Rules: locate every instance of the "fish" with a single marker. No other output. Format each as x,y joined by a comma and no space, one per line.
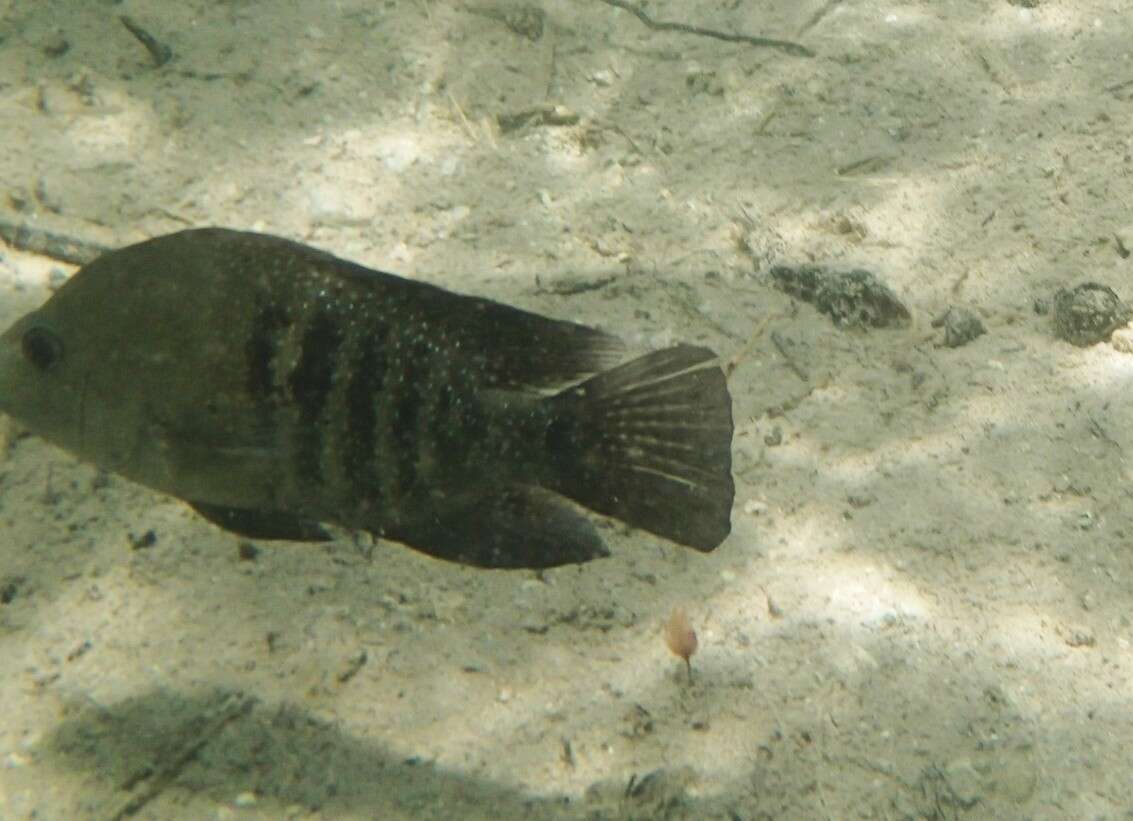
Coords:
278,389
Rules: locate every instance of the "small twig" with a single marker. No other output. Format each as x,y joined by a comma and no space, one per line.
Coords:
1113,89
816,18
742,353
991,72
552,71
958,285
781,346
866,165
664,25
353,666
51,244
570,286
468,129
1097,430
527,21
761,129
617,129
550,115
158,51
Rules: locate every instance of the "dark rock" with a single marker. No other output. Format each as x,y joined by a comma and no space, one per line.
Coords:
854,298
960,325
1088,313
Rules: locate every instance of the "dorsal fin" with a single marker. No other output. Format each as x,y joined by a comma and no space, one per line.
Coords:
510,347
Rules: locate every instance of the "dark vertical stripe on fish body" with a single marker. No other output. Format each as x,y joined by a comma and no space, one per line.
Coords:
310,384
406,401
363,394
262,349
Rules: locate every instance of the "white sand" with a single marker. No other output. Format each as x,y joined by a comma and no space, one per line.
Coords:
923,608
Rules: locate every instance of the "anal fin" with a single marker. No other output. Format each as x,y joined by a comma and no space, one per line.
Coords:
261,524
503,527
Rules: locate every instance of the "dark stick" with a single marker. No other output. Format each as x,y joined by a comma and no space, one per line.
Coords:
50,243
160,52
161,774
664,25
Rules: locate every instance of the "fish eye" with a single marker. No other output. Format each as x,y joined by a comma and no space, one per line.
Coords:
41,347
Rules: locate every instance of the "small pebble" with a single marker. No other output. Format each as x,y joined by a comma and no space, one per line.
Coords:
146,540
56,45
1122,340
754,507
1080,637
56,278
603,77
15,760
1123,239
964,782
960,325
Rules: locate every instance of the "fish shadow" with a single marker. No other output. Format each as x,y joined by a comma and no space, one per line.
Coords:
166,754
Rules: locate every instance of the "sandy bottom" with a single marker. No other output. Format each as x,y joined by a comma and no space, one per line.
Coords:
923,608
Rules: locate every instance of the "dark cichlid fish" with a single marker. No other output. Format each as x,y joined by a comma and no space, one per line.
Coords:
273,386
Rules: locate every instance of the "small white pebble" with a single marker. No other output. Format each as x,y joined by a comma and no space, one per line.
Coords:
400,252
245,799
15,760
754,507
603,77
398,153
1122,340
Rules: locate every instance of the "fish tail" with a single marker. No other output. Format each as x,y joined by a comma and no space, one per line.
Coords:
650,443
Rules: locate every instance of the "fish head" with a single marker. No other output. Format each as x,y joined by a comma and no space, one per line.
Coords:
77,371
39,383
139,364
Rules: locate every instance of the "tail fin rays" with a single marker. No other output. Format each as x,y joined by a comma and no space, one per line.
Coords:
649,443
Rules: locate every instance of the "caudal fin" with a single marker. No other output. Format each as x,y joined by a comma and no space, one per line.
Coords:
650,443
